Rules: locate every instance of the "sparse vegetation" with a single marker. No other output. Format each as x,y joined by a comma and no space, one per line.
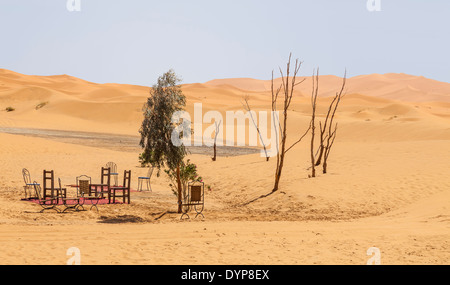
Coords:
289,82
249,110
165,99
41,105
9,109
214,158
188,173
327,130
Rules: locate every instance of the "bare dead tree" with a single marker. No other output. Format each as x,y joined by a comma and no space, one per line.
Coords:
249,110
287,86
330,142
323,136
332,131
214,158
325,129
314,94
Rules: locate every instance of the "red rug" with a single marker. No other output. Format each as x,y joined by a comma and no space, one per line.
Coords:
103,201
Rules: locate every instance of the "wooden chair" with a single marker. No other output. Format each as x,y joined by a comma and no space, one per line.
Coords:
194,198
113,168
105,185
49,185
126,190
48,203
146,179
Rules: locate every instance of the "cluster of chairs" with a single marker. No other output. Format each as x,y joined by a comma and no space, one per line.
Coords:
50,196
142,180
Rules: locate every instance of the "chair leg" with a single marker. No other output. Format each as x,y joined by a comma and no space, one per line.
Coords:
94,205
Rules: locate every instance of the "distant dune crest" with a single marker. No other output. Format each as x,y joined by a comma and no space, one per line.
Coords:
69,103
394,86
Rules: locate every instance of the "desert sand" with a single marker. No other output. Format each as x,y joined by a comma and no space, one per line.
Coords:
388,184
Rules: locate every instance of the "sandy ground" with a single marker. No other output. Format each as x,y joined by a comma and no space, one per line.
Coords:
388,185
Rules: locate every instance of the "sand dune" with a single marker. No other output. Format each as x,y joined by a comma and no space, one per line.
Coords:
393,86
81,99
388,184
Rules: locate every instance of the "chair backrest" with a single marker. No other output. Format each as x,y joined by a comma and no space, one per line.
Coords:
112,166
59,190
84,187
106,176
196,192
37,188
49,183
26,176
83,183
127,179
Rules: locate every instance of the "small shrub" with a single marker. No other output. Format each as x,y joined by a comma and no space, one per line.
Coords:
188,173
9,109
41,105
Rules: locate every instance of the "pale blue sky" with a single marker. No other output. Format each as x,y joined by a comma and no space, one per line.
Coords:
135,41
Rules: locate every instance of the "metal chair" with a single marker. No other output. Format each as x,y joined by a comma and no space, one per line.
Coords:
71,203
194,198
111,165
48,203
85,192
125,188
29,186
145,179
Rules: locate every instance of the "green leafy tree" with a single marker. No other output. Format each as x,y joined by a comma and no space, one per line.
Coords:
188,173
166,98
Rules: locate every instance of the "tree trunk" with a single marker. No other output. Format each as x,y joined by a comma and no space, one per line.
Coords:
315,92
180,190
324,167
277,181
319,158
215,152
281,156
313,164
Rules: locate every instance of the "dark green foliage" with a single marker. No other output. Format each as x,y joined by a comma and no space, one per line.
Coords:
165,99
188,173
